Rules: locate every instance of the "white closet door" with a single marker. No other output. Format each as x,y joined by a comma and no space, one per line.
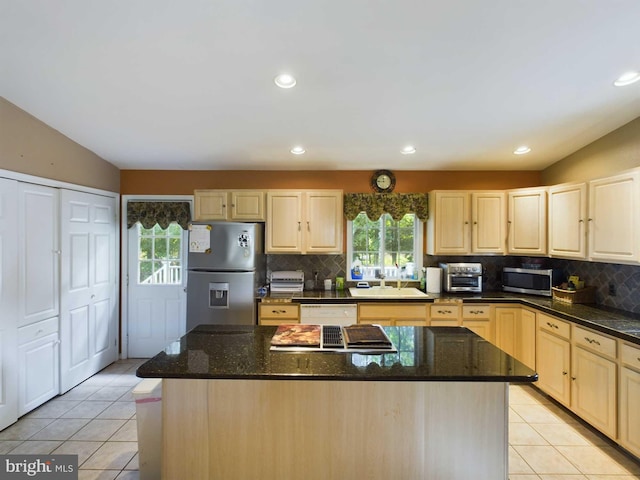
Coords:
89,310
39,259
8,302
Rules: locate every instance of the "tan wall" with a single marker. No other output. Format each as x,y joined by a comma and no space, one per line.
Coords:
183,182
613,153
29,146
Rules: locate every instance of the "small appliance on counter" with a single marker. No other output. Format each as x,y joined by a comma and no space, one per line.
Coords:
287,281
534,281
462,277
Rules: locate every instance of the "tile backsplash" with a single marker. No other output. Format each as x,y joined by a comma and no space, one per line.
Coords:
618,286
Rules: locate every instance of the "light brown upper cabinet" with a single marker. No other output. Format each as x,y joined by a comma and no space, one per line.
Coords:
527,221
235,205
568,220
614,218
462,222
304,222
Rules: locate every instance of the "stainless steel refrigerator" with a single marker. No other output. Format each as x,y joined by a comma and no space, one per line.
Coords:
226,265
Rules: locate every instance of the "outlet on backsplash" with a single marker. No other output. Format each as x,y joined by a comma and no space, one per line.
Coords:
612,289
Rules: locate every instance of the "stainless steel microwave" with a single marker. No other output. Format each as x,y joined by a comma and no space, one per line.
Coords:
531,281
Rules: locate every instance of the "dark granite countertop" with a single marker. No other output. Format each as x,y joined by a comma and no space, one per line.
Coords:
617,323
424,354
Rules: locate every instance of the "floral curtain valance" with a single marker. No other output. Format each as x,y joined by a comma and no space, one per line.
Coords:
396,204
162,213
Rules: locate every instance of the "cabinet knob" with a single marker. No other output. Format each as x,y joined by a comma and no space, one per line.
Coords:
299,226
564,372
308,227
573,378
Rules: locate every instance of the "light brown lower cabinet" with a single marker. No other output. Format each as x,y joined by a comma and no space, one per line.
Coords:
278,313
553,362
479,319
629,413
516,333
593,379
444,315
393,314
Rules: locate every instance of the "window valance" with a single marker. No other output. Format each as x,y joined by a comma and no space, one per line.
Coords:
396,204
162,213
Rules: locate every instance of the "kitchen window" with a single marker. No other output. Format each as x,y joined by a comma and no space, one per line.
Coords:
160,255
384,247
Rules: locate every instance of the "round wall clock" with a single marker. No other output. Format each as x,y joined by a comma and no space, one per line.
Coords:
383,181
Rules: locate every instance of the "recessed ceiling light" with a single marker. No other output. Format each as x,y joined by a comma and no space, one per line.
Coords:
408,150
298,150
284,80
522,150
627,79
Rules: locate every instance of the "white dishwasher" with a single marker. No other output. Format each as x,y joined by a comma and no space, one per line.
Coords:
342,314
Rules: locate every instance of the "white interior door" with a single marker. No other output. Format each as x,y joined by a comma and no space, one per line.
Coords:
156,288
8,302
89,313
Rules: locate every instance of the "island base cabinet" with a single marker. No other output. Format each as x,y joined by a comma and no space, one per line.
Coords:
280,429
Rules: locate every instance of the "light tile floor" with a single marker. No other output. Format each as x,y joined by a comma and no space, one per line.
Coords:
96,421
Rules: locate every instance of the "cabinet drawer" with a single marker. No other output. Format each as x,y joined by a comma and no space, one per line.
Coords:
37,330
445,311
476,311
630,356
391,311
594,341
278,311
554,325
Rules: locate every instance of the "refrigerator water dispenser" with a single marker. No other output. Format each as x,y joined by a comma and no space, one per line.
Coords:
218,295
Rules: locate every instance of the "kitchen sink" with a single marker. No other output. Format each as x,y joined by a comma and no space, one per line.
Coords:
386,292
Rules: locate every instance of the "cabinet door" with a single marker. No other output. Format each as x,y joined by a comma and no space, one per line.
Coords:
284,222
210,205
480,327
8,302
629,414
489,213
38,372
39,253
448,227
553,362
527,224
323,222
593,390
614,211
526,338
247,206
506,329
567,220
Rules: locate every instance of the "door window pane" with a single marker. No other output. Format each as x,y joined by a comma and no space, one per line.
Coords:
159,255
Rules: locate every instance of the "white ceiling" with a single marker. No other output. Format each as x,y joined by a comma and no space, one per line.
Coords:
165,84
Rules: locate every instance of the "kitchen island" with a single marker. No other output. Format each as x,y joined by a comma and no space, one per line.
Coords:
234,409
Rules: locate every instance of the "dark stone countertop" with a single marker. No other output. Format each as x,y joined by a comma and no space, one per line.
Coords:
424,354
617,323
